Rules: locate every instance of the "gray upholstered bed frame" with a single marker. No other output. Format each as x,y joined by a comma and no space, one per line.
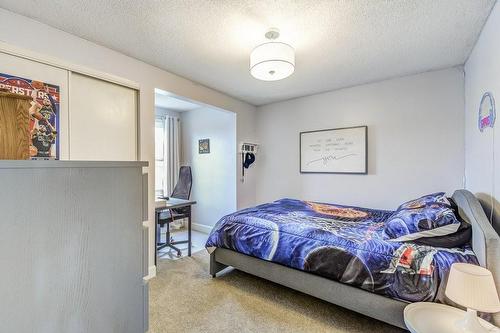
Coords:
485,242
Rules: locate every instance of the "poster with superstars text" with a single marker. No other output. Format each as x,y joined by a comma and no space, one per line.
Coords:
44,113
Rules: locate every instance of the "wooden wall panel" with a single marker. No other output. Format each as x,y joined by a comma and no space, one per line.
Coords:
14,126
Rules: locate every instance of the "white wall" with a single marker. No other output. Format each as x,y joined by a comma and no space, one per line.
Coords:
482,74
415,141
159,111
214,175
31,35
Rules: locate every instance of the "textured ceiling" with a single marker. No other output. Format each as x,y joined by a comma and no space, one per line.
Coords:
338,43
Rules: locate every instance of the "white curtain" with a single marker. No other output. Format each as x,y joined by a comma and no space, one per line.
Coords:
172,153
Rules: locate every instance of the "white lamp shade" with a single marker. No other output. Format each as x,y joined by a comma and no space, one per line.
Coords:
272,61
473,287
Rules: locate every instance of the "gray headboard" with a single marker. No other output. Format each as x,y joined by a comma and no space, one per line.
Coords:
485,240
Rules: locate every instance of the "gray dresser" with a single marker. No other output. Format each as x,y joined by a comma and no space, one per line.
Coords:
73,249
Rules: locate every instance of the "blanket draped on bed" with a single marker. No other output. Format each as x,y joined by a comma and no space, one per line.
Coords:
342,243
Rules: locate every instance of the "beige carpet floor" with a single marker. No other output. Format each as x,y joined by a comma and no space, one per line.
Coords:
185,298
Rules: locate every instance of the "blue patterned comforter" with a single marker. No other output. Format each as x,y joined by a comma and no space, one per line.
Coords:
342,243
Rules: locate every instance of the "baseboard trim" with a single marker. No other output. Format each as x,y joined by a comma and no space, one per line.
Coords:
151,273
202,228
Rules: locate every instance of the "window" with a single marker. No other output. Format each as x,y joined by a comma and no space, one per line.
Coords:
160,157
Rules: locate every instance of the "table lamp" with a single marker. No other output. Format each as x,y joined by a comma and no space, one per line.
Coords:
473,287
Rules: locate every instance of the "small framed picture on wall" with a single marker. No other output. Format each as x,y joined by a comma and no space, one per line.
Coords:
204,146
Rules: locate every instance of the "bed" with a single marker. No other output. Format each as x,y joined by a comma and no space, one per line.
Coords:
371,276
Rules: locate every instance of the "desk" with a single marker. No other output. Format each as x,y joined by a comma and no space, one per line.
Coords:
164,205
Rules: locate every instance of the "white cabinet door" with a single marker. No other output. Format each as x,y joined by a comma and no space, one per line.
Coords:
33,70
103,120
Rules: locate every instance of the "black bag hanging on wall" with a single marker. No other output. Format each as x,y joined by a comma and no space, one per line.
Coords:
247,160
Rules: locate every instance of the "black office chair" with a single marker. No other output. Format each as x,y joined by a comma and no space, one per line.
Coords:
182,190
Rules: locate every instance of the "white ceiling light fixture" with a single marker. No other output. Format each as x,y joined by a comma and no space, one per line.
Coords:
272,60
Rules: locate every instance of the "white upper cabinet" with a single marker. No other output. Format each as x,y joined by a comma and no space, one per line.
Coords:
103,120
97,118
33,70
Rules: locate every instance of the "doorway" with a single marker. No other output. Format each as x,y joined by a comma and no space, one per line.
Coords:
189,133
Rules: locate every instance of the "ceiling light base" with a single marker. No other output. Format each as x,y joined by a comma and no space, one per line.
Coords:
272,34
